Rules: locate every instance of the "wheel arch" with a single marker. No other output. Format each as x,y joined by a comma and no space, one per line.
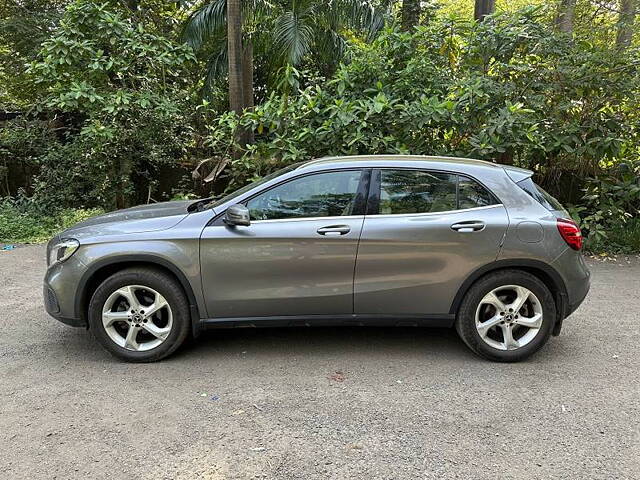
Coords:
101,270
547,274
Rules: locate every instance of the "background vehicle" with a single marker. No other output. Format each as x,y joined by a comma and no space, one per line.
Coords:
371,240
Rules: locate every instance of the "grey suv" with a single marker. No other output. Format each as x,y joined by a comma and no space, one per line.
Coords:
369,240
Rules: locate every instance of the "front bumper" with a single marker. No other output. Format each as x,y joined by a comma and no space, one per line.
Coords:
60,288
53,308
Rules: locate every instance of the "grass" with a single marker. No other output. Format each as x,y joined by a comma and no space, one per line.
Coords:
17,226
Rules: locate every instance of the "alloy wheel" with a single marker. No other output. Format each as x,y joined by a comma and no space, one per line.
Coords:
509,317
137,318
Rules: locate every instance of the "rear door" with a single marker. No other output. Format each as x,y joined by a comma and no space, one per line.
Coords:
423,234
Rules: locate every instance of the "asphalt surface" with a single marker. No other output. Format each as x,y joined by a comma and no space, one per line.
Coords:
320,403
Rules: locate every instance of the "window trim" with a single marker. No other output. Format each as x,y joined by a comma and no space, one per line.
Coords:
425,214
373,204
361,201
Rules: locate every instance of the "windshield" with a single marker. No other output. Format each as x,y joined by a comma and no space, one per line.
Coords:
246,188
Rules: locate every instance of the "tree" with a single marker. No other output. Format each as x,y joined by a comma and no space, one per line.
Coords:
410,14
564,18
625,23
284,33
24,25
483,8
125,88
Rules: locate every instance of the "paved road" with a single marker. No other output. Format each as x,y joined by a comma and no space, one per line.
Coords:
320,403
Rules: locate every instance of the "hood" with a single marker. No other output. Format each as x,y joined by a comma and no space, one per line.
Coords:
144,218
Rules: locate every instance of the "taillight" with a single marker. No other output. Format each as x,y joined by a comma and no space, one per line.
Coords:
570,232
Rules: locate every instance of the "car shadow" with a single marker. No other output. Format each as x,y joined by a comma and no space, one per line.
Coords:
273,343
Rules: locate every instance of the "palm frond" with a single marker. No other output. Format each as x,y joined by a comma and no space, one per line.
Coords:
205,22
293,36
360,15
217,67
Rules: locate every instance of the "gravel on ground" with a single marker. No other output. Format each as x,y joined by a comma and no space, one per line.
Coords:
383,403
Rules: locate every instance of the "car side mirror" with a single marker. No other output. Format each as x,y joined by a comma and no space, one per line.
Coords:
237,215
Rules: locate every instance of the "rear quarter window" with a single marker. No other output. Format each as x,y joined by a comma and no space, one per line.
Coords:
538,194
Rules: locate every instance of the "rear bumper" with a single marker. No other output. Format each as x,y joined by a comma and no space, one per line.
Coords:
579,297
577,279
576,276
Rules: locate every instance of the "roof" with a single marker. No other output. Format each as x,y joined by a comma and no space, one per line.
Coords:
399,159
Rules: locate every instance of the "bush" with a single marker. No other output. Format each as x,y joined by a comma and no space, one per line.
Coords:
509,90
27,225
609,214
124,91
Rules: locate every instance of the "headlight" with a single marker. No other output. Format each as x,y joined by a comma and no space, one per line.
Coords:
62,250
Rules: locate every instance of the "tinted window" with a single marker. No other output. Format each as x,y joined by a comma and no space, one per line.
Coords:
411,191
321,195
540,195
472,195
253,185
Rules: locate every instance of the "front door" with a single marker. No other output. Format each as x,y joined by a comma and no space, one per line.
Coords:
296,258
424,233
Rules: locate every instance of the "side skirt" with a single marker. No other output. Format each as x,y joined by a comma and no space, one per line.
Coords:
362,320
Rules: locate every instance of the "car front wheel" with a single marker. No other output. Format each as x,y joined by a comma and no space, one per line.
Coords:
506,316
139,315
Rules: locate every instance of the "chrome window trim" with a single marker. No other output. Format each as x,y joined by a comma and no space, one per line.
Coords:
425,214
385,215
300,219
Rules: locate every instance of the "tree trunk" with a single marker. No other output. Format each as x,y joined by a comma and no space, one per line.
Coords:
235,54
410,14
564,18
625,23
483,8
247,77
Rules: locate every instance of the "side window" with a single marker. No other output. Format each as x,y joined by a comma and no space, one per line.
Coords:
320,195
471,194
414,191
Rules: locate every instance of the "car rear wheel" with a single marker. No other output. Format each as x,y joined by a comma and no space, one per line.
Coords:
506,316
139,315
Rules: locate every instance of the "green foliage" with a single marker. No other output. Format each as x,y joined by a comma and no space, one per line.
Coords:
111,100
24,224
609,214
510,90
126,88
283,33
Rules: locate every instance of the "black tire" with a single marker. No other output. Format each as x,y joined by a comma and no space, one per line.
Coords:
466,323
162,283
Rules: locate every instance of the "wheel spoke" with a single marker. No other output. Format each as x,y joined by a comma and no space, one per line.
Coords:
157,305
109,318
484,327
129,293
530,322
131,341
160,333
522,296
510,343
492,299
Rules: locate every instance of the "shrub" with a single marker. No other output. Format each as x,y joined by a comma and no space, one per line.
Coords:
609,213
124,91
509,90
23,224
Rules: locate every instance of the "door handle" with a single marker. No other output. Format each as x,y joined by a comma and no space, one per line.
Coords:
469,226
334,230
